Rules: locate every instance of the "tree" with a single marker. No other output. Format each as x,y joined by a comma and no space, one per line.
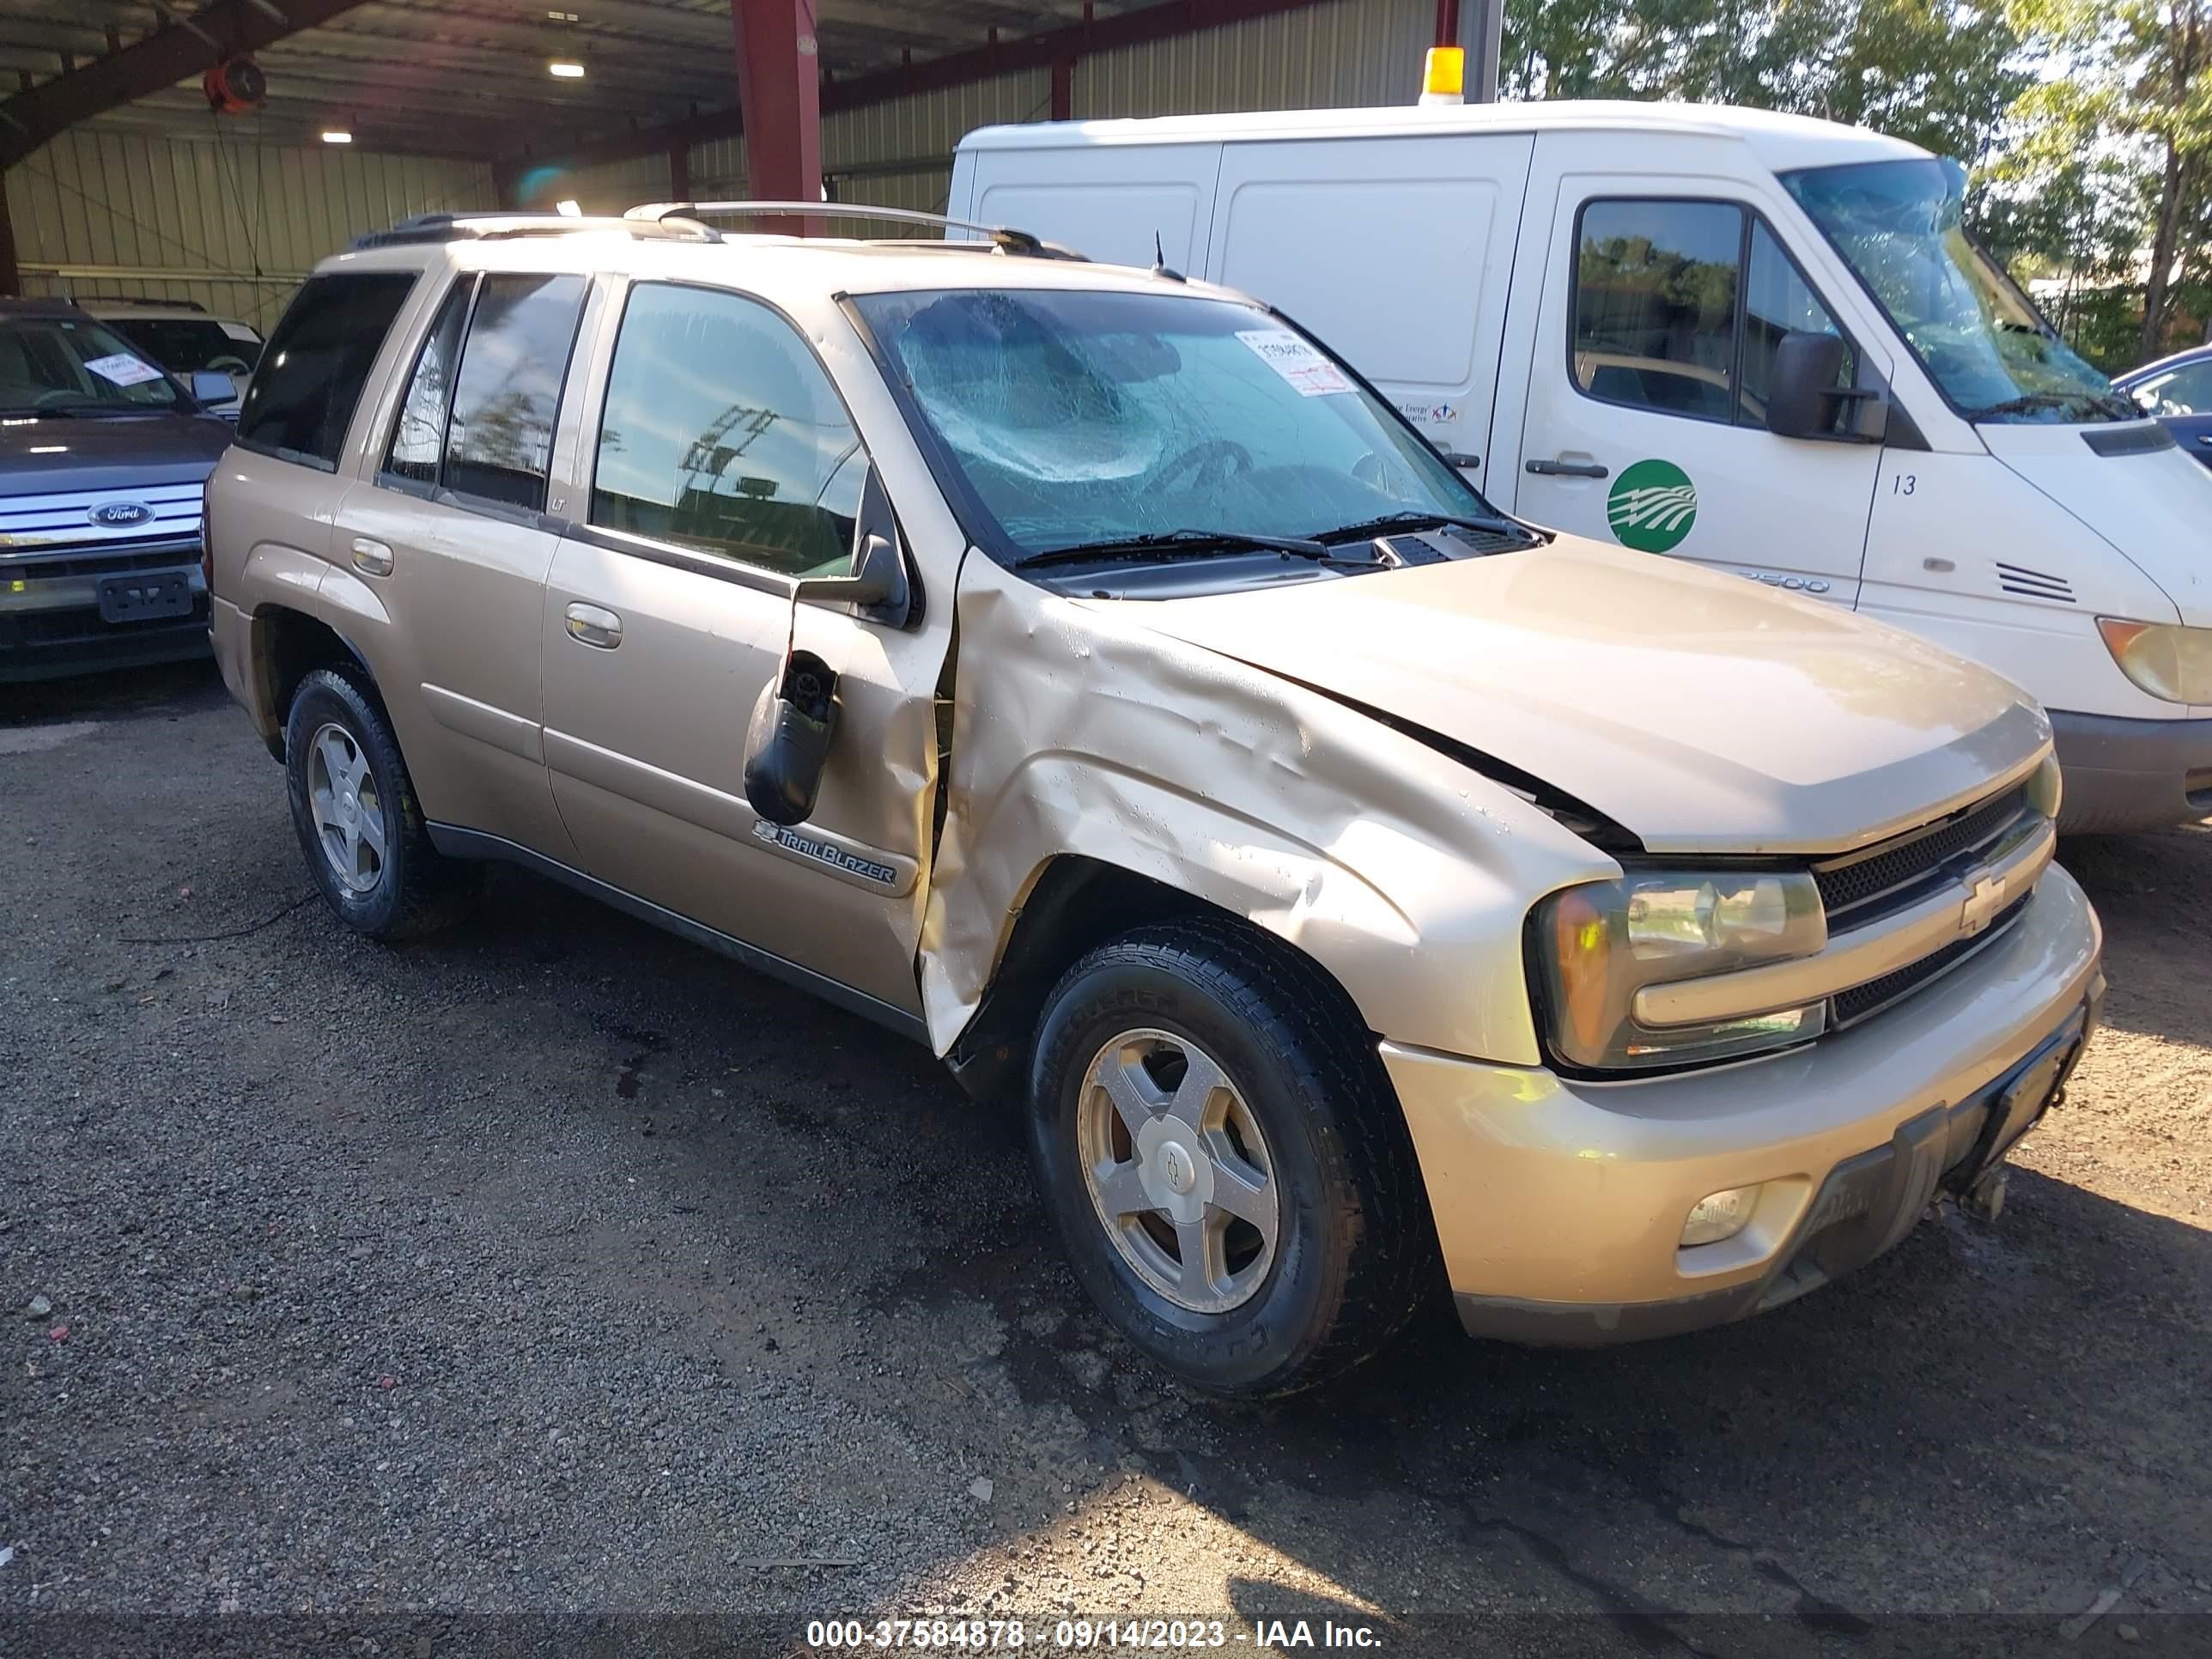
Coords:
2128,76
1941,75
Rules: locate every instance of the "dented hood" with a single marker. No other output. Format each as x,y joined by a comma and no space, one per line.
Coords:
1702,711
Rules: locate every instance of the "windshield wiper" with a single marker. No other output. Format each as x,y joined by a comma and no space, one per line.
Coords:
1412,519
1177,543
2110,408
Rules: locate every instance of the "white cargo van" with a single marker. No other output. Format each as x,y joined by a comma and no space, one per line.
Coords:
1758,342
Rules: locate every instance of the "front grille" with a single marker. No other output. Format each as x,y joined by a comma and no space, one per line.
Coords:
27,522
1867,886
1848,1008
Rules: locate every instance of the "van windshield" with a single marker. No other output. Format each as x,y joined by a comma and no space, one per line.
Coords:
1082,417
1896,225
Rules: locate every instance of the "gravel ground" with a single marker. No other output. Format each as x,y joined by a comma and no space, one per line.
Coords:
554,1266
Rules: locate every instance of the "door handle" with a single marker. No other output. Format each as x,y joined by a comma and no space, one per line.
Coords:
1570,469
371,559
593,625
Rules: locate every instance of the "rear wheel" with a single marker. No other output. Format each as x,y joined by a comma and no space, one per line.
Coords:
1225,1159
354,808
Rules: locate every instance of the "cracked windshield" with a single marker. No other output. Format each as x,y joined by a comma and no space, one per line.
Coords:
1082,419
1896,225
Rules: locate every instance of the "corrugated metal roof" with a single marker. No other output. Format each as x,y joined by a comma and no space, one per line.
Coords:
471,76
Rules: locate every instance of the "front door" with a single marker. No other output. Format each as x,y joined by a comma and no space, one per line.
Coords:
727,467
1647,396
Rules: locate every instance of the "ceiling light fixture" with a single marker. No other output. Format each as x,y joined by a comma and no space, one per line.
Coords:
336,136
565,68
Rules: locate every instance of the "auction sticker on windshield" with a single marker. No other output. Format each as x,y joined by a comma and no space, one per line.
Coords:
123,369
1313,374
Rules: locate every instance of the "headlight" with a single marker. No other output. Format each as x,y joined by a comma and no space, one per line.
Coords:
2166,661
1597,945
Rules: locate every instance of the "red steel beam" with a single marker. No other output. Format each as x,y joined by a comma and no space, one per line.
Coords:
1129,28
780,94
169,55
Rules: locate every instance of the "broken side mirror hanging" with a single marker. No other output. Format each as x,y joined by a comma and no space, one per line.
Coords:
787,741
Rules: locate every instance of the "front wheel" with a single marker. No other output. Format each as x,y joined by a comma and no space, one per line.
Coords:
1224,1160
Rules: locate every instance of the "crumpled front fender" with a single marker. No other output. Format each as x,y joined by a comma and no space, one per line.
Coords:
1077,729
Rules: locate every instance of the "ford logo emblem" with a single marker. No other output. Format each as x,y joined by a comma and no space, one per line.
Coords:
119,515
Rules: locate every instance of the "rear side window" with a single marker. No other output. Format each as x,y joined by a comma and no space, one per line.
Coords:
315,364
499,436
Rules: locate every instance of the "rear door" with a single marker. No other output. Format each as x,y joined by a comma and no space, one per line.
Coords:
1398,252
719,466
1664,298
450,536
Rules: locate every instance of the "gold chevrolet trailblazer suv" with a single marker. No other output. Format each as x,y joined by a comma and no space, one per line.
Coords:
1084,671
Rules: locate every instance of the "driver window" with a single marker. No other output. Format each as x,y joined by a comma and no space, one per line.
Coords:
1655,305
721,431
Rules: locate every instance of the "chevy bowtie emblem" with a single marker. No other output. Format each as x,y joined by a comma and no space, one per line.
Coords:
1985,896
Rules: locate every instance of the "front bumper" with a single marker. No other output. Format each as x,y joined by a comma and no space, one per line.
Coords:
2131,775
51,623
1560,1204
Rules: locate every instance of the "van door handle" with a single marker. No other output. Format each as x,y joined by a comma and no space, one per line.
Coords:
371,559
1571,469
590,624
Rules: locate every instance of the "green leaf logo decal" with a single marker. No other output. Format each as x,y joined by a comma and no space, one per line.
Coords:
1652,506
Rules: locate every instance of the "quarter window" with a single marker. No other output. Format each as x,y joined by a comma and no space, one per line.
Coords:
418,437
499,437
721,431
1778,300
315,364
1679,305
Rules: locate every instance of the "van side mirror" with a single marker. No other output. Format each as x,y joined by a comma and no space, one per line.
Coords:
877,587
212,386
1802,390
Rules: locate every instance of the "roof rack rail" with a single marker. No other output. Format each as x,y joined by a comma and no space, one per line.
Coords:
1004,238
485,226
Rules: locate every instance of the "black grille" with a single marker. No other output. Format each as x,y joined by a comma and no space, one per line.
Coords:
1869,885
1863,1001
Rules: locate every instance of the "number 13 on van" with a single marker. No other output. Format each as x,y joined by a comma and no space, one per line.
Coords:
1313,374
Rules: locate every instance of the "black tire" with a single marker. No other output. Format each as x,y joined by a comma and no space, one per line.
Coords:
1355,1251
417,891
